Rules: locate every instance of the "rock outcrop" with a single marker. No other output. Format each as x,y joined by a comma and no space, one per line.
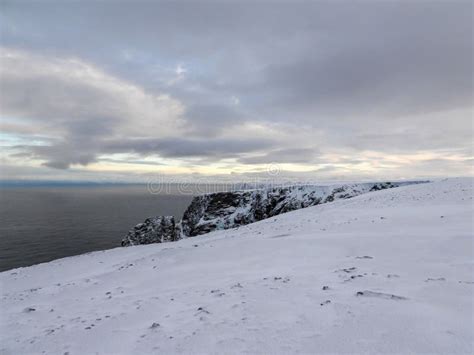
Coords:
153,230
224,210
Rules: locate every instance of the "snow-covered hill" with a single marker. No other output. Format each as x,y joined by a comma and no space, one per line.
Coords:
385,272
226,210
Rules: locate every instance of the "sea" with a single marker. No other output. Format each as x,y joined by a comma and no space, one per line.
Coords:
42,223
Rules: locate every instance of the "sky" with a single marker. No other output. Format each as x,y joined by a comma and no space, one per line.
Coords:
135,90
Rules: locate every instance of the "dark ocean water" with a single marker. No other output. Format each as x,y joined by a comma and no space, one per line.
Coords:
39,224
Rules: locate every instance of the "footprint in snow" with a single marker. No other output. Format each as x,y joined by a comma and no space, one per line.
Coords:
218,293
386,296
285,280
438,279
353,277
280,236
154,325
202,310
347,270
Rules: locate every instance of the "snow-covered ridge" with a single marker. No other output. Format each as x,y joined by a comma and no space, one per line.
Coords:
225,210
390,272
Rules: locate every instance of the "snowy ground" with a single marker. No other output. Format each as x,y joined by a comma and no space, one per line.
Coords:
397,265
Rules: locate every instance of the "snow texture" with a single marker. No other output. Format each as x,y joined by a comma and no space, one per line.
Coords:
385,272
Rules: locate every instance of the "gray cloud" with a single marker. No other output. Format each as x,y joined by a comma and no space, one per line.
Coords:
397,58
294,155
95,79
210,119
184,148
61,155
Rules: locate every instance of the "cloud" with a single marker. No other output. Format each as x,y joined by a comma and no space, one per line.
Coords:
85,112
70,95
211,118
78,106
294,155
185,148
294,83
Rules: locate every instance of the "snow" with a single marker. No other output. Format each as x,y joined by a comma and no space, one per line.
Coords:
226,210
385,272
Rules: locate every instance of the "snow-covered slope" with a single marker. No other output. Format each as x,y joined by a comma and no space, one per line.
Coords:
226,210
385,272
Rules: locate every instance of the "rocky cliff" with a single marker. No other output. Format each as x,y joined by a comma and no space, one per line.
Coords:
225,210
153,230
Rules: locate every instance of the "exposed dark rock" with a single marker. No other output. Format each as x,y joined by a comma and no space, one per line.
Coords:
387,296
224,210
383,186
153,230
203,310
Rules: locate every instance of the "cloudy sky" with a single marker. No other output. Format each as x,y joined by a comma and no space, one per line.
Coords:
108,90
